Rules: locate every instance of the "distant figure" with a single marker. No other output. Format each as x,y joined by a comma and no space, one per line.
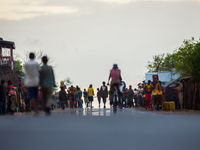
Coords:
136,97
78,95
122,86
90,94
31,81
47,82
124,98
104,93
179,90
2,98
85,95
160,94
157,93
130,96
140,95
148,87
62,97
12,98
115,76
99,96
71,93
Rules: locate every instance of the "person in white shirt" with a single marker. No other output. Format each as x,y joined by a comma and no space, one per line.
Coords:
31,81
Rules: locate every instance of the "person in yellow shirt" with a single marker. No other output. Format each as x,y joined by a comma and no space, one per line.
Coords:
90,94
155,91
157,95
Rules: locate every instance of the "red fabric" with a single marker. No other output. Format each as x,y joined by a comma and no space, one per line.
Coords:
155,77
12,92
115,74
10,86
148,99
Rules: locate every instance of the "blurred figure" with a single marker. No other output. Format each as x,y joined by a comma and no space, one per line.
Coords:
90,94
21,101
31,81
125,98
148,90
179,90
78,95
71,93
160,95
2,98
47,83
136,97
157,93
115,76
104,93
85,95
130,96
99,96
140,95
12,98
26,100
62,97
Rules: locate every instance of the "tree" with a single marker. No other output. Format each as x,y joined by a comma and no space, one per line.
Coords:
169,62
157,64
19,67
185,60
188,58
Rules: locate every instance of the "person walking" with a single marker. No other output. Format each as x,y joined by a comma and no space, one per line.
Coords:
78,95
135,97
62,97
47,82
2,98
156,93
104,93
85,95
90,95
130,96
99,96
148,90
31,80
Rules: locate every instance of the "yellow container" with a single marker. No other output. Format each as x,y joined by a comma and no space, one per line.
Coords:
165,106
169,106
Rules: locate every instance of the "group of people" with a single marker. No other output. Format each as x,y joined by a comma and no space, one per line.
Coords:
72,97
39,83
150,94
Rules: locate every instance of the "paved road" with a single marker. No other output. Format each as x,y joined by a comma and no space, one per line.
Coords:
129,129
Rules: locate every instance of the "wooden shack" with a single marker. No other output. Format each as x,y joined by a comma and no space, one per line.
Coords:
7,70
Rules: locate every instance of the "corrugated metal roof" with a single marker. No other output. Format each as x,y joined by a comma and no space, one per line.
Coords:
7,44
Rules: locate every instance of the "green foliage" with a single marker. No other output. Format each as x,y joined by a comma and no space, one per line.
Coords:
157,64
185,60
19,67
188,58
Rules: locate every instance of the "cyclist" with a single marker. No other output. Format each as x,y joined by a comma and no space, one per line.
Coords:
115,76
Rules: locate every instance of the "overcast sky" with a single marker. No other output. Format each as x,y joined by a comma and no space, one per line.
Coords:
85,37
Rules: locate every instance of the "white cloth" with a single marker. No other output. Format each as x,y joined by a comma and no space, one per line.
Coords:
31,69
103,88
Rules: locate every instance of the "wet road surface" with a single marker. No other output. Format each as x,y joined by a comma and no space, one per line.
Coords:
100,129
